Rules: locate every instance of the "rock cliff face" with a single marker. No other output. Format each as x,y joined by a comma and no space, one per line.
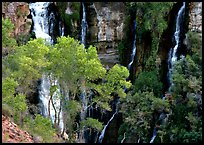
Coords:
195,14
12,134
105,29
18,12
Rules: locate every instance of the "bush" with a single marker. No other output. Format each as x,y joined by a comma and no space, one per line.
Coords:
7,110
148,81
42,127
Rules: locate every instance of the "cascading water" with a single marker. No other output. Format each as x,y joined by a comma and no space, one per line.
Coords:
154,135
172,56
83,25
40,19
104,129
83,38
133,48
172,53
61,28
83,95
41,28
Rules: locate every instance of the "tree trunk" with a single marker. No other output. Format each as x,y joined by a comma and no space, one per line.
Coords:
49,106
55,121
59,113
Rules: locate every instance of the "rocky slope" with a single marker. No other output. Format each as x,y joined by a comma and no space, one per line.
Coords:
18,12
11,133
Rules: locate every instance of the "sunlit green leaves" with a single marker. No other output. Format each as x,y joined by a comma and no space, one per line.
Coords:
8,87
7,29
43,127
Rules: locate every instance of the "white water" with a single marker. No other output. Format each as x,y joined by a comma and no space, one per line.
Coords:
41,28
154,135
61,28
133,48
172,57
104,129
177,33
83,25
84,105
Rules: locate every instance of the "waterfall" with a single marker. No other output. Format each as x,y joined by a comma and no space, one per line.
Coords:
172,53
154,135
40,19
83,26
84,105
172,58
61,28
41,28
133,48
104,129
83,95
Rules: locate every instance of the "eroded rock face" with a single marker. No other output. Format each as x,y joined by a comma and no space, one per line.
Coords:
105,29
12,134
18,12
195,23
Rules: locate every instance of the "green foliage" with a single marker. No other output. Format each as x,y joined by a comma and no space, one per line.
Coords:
195,41
148,81
114,83
92,123
151,16
138,110
187,76
125,43
194,45
70,19
7,41
43,127
89,64
7,110
185,122
18,105
19,12
74,107
22,39
8,87
29,62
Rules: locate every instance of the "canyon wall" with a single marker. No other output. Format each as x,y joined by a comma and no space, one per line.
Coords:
105,29
18,12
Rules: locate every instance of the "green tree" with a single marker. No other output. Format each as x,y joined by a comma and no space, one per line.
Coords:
141,112
185,120
79,71
8,43
149,81
42,126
